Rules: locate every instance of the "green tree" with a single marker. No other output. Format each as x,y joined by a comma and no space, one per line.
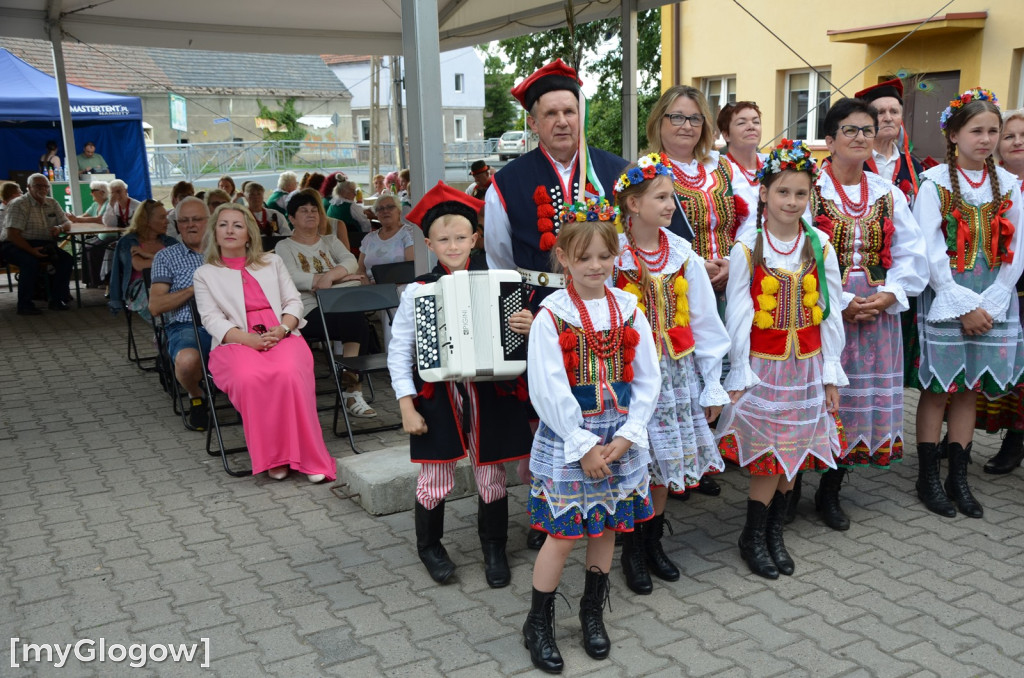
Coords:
287,119
530,52
500,110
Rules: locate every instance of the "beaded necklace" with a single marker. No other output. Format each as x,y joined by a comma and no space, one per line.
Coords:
685,179
603,346
657,259
984,175
854,209
750,175
792,249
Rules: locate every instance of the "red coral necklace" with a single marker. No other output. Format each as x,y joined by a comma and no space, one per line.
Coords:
603,346
792,249
657,259
750,175
688,181
853,209
984,176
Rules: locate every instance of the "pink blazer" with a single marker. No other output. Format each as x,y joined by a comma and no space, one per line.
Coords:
221,301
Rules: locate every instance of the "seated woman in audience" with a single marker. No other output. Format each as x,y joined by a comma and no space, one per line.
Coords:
215,199
227,184
344,208
319,261
96,247
249,305
389,244
122,206
134,254
100,199
271,222
327,190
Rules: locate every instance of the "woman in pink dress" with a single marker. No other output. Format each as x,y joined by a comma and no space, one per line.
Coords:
250,307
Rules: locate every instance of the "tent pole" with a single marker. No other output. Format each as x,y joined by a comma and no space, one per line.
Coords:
67,130
421,48
629,99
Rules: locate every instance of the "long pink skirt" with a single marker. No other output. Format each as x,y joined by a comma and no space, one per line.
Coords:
276,395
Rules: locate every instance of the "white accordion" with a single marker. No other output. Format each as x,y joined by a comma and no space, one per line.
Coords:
462,330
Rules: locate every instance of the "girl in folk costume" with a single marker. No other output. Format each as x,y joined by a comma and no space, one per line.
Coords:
971,340
594,380
1008,412
882,263
663,272
446,421
787,339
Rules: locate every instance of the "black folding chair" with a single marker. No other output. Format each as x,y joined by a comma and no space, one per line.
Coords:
211,394
401,273
144,363
365,298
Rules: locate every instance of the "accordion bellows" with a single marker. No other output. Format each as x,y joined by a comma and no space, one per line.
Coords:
461,327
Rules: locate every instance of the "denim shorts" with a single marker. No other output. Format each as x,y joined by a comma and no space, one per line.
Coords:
181,335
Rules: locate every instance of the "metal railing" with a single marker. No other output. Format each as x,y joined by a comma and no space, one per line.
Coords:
170,163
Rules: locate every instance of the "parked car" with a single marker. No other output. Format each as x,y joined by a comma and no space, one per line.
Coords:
515,143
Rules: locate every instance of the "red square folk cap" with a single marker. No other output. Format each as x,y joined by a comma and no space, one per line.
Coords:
555,76
441,200
889,88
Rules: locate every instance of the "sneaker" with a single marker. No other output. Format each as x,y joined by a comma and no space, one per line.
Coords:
356,406
198,415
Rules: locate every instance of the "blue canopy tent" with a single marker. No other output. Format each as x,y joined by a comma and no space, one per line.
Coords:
30,116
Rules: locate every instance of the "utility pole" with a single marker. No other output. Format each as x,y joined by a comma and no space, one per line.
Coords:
399,84
374,117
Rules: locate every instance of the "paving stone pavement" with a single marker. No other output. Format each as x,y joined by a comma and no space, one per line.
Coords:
115,524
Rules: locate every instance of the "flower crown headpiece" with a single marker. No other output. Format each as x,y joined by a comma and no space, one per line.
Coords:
593,209
976,94
647,167
788,155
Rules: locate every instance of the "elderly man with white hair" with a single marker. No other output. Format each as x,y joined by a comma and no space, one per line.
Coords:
29,241
122,206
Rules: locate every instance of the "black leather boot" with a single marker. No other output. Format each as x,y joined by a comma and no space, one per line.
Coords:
708,486
1009,456
539,633
492,525
826,499
658,562
753,541
595,595
429,530
794,499
535,539
929,483
634,561
956,482
773,532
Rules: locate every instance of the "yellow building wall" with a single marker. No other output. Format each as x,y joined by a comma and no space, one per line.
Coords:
716,38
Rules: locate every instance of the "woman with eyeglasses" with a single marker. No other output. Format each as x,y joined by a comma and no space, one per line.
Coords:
709,214
882,261
249,305
389,244
96,248
134,254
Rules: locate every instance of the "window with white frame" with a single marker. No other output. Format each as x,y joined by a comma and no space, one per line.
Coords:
364,129
460,82
460,128
719,91
807,101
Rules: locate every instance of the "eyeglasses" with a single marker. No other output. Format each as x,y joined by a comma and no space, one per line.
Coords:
96,190
851,131
385,208
677,119
191,220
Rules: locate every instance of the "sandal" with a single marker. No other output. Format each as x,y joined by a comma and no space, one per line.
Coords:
356,406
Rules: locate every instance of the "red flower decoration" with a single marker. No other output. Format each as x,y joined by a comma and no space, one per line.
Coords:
541,196
742,210
906,187
649,172
823,223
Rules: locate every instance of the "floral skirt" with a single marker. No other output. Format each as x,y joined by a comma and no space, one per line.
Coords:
951,362
563,487
682,446
871,407
1006,411
781,425
636,508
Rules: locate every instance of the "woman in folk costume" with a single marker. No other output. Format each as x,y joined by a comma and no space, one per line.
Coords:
448,421
594,379
1008,412
881,259
784,287
971,341
673,290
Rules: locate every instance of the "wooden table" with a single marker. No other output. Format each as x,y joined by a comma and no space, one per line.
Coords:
81,232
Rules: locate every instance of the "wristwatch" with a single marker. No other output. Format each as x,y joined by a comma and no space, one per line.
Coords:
287,330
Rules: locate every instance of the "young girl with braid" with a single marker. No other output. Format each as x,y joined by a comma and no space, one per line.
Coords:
971,340
674,291
787,337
